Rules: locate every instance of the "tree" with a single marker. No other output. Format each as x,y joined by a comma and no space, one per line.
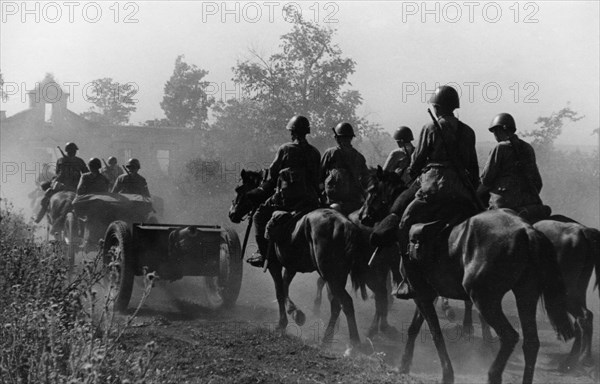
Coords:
185,102
113,102
550,127
307,76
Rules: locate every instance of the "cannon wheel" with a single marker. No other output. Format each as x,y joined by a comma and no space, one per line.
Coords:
70,237
229,280
118,258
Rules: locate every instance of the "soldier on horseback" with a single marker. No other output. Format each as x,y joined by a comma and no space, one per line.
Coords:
344,171
93,181
69,169
445,162
112,171
511,176
399,159
132,182
299,158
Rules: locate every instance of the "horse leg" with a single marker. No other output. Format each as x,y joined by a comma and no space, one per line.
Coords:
428,311
467,326
576,310
527,307
336,308
319,296
377,282
338,289
275,270
448,311
587,327
292,310
490,308
409,348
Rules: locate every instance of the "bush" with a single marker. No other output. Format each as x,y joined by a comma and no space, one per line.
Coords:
54,327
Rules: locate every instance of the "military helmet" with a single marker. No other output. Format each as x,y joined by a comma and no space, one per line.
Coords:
298,124
504,121
94,163
112,160
403,133
445,96
344,130
133,164
71,147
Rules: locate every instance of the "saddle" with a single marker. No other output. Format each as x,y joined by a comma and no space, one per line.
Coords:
279,229
426,239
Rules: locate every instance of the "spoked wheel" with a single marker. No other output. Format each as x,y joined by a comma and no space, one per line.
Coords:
71,239
117,253
226,286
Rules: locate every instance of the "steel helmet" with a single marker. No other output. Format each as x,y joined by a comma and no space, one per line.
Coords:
445,96
344,130
403,133
94,163
112,160
71,147
298,124
133,164
504,121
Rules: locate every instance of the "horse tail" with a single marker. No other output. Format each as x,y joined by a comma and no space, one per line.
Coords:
359,268
593,236
554,292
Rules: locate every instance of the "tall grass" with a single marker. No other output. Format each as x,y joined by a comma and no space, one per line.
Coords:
58,327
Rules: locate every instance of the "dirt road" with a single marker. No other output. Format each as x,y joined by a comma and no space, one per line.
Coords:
201,345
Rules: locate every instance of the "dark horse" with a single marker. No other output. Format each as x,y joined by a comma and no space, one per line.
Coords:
322,240
481,259
59,206
577,250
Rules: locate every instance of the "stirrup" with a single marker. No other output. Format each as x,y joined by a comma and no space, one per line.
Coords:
404,291
256,260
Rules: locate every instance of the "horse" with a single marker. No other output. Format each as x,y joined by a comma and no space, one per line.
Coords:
322,240
60,205
577,250
480,259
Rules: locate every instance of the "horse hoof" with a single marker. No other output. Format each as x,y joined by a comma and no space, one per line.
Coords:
299,317
587,362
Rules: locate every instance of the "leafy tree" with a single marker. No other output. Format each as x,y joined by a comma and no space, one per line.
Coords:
307,76
113,102
550,127
157,123
185,102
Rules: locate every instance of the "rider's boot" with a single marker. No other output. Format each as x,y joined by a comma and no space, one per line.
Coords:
259,257
44,208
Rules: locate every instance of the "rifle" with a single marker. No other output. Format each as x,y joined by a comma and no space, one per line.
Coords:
61,151
126,170
104,161
455,164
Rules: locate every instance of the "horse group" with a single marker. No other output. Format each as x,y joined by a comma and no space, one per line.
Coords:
479,261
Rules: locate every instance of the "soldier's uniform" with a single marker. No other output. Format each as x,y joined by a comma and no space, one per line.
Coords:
131,183
92,182
503,176
511,175
300,158
68,171
352,167
112,172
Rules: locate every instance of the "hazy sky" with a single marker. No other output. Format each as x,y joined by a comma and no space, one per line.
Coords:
526,58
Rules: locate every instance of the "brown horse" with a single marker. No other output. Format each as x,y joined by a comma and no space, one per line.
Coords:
481,259
322,240
59,206
577,250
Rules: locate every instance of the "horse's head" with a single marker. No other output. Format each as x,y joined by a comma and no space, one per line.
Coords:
384,188
241,205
